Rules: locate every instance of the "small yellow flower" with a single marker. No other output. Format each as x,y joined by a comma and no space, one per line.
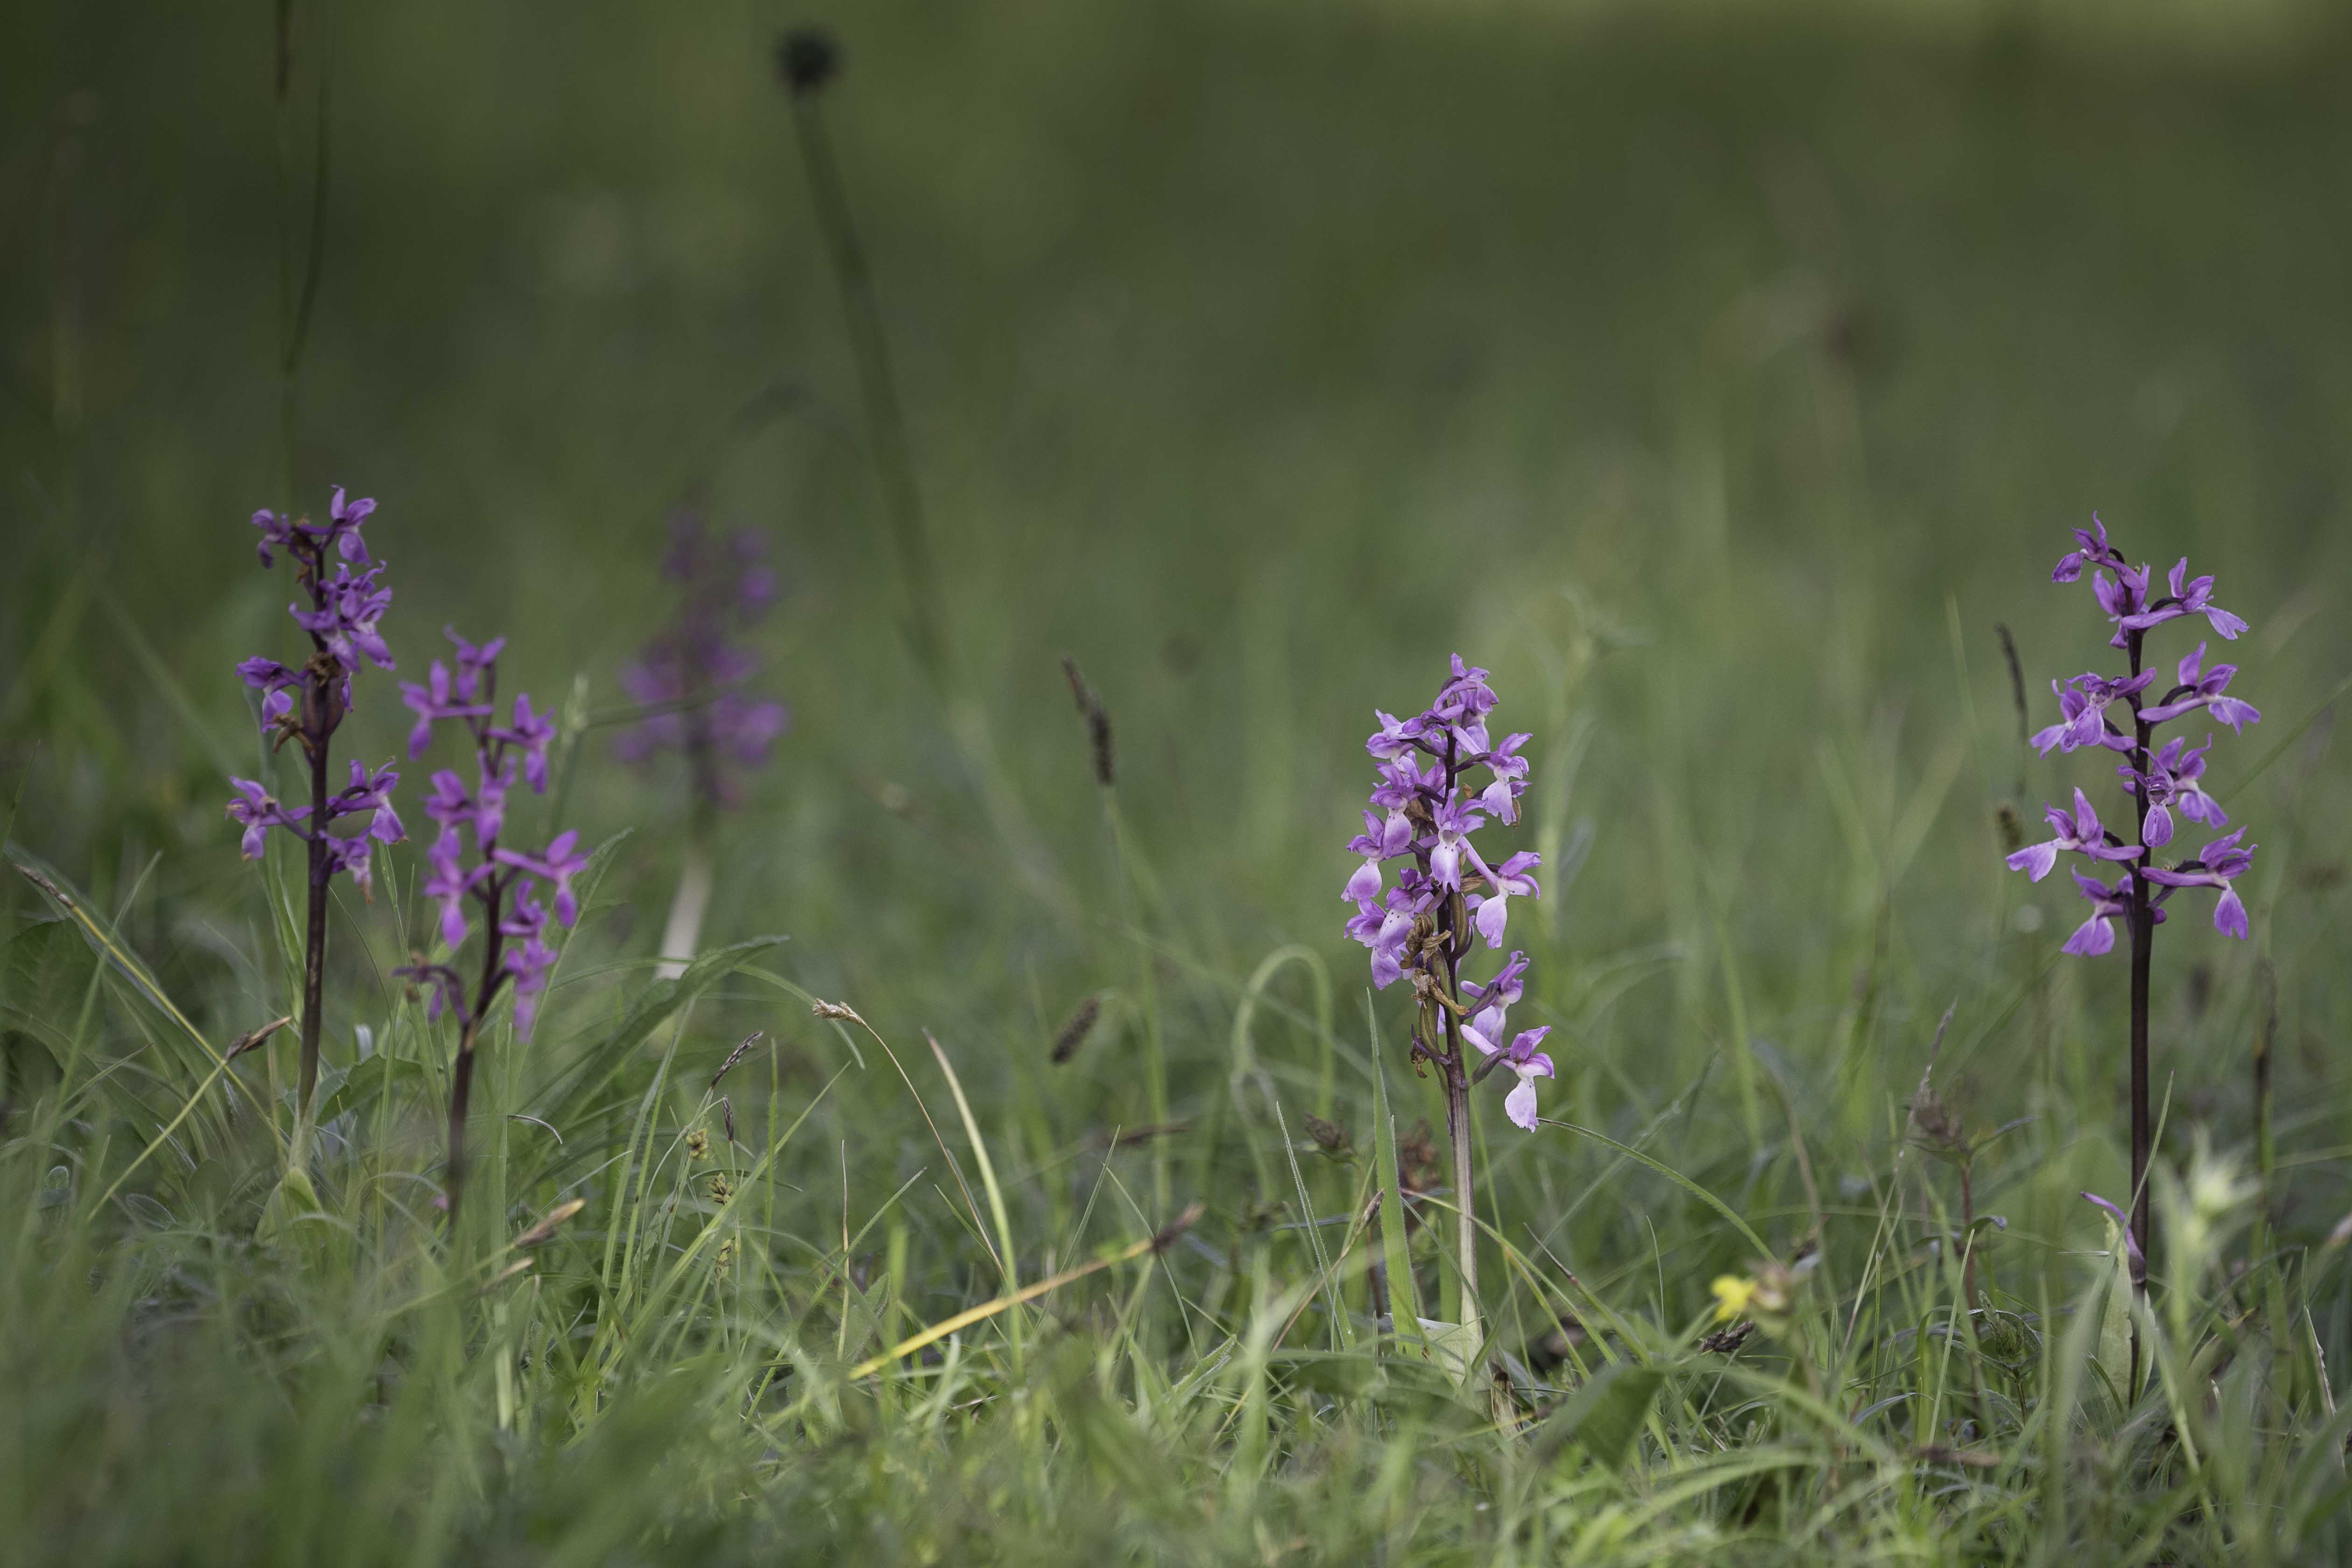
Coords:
1732,1297
721,1188
697,1144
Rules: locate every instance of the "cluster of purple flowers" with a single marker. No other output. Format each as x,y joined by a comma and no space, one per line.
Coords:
306,704
2161,780
1426,810
503,881
689,675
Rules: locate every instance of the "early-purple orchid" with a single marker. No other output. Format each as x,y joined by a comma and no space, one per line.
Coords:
1423,810
2161,780
688,677
497,878
306,705
500,882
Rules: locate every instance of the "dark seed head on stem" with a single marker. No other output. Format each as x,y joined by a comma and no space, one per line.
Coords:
807,58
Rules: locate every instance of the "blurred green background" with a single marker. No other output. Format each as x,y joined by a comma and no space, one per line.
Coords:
1720,376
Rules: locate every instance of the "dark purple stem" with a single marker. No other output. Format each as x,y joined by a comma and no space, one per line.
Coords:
322,701
493,898
2143,935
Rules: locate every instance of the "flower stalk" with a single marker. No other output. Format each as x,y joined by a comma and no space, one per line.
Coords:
1443,902
2160,781
501,882
306,706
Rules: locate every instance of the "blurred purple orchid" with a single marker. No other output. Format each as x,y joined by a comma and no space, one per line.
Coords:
500,879
686,676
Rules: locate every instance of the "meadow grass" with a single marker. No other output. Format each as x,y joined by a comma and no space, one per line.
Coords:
1723,388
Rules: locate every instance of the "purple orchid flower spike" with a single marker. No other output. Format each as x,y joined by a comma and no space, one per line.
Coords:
306,704
688,675
497,878
1442,779
2199,689
2218,865
2162,782
2080,834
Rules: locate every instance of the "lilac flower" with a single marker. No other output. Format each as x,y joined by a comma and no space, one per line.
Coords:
2096,935
371,794
277,685
1371,844
2080,834
1492,907
558,864
1530,1064
2171,780
2206,691
2188,599
258,812
344,620
531,733
2218,865
448,881
436,698
2091,550
1395,738
1510,770
687,673
2083,704
1496,996
1455,821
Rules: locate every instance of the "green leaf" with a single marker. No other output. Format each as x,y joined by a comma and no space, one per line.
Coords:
293,1198
1605,1415
1404,1299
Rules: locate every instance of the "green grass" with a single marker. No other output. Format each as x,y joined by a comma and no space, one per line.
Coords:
1721,383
